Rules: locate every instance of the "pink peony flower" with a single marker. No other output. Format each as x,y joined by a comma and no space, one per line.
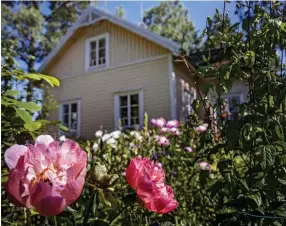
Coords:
162,140
202,128
175,131
159,122
172,123
147,178
204,165
189,149
45,176
164,130
154,122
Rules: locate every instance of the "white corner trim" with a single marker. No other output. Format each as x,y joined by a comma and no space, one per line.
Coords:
87,51
172,88
164,42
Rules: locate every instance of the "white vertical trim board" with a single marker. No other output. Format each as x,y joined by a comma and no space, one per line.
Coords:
172,88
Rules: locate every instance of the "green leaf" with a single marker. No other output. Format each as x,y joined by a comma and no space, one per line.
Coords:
205,59
51,80
12,93
32,126
23,114
32,76
283,27
111,199
63,128
205,88
31,106
256,198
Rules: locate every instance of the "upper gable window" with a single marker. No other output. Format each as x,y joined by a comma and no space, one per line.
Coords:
96,52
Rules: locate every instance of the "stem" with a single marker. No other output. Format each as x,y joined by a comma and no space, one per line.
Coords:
118,214
87,211
55,221
25,216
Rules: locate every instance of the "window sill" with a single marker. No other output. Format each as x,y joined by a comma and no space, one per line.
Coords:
97,68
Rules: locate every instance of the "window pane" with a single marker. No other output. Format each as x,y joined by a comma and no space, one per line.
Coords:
66,119
134,121
102,43
123,112
134,99
93,55
123,101
124,121
135,111
65,108
93,45
74,107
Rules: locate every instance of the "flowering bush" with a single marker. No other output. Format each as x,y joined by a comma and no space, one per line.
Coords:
46,177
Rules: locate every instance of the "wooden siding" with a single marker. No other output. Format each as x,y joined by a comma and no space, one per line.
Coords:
96,93
124,47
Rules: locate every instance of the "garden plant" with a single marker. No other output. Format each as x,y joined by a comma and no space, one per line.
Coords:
211,171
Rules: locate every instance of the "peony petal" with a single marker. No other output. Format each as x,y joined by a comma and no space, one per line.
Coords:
44,141
45,201
145,187
68,152
131,175
13,154
13,185
73,190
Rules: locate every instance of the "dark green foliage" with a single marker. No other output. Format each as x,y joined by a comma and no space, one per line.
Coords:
170,20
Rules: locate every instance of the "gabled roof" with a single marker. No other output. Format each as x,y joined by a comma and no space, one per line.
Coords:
92,15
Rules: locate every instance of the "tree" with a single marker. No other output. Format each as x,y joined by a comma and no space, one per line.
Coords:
36,31
120,12
170,20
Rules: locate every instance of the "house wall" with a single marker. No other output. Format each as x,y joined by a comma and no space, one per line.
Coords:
96,92
184,80
238,87
124,47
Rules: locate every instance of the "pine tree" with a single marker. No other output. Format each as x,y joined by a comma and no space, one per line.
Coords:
120,12
170,19
36,31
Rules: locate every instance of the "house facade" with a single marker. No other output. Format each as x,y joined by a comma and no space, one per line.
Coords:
112,70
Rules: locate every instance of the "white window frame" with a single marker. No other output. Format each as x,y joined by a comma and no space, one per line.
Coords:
233,94
117,107
193,94
87,52
70,102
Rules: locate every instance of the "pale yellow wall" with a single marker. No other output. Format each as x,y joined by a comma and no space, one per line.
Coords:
184,80
124,47
96,92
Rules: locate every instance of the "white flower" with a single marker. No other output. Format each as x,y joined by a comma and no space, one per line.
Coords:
116,134
136,135
99,133
111,141
62,138
95,146
105,137
131,145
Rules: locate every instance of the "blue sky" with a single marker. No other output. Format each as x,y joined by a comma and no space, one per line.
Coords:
198,11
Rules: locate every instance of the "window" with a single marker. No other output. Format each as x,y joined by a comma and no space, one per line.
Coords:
232,100
129,109
69,115
97,51
188,98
